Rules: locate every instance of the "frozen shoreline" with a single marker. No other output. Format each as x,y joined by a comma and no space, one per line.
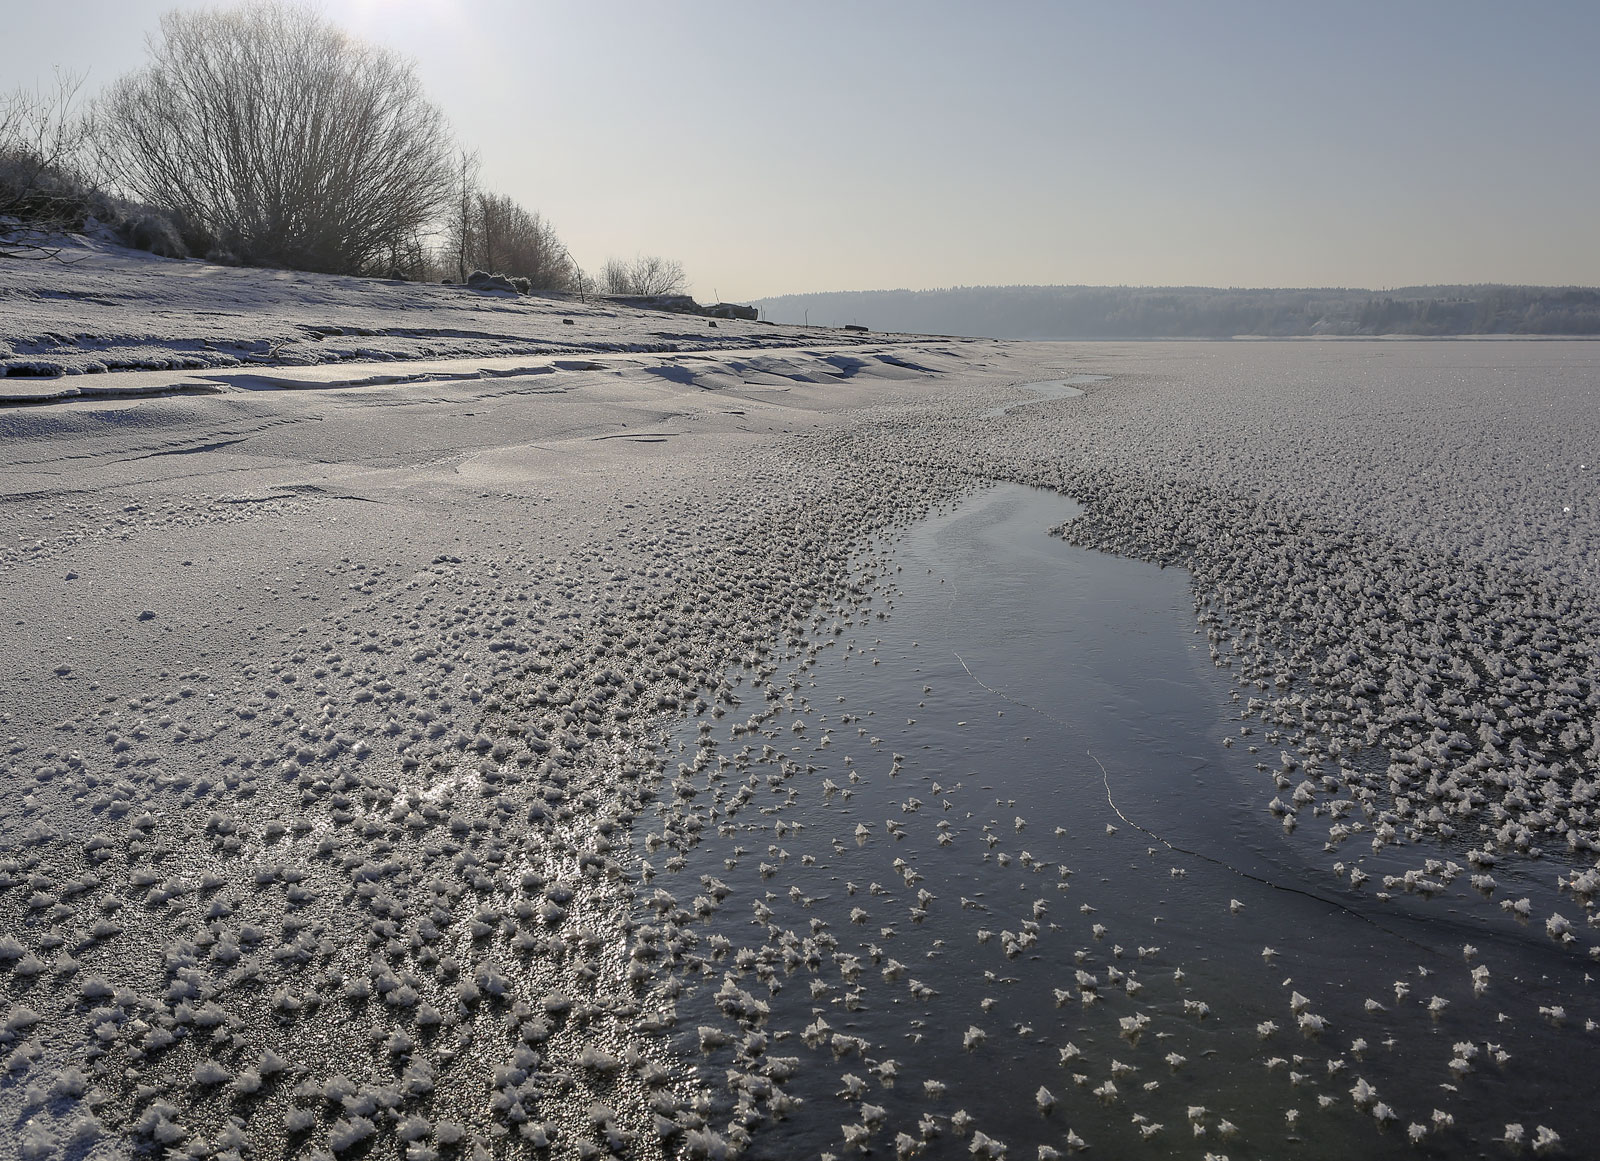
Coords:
206,677
377,753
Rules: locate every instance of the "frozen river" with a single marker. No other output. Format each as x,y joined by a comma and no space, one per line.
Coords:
681,753
1066,906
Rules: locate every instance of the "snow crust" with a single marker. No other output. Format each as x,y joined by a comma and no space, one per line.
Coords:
105,308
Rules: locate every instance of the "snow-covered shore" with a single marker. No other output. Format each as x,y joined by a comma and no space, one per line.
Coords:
101,307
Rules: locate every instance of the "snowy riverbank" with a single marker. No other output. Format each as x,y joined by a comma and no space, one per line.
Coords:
101,308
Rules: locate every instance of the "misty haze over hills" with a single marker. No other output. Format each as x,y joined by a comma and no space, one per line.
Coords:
1132,312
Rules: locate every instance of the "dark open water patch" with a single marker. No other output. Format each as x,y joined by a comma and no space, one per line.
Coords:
984,860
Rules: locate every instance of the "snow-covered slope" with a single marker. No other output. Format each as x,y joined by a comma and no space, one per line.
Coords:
105,308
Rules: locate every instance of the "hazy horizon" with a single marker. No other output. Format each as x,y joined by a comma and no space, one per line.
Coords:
779,151
1125,312
1170,286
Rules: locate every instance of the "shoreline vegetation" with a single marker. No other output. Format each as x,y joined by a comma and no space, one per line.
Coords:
265,136
1036,313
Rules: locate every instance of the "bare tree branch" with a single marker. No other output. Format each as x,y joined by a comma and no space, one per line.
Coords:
649,276
43,191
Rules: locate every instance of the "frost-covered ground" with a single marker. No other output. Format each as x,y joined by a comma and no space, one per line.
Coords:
305,683
342,723
104,308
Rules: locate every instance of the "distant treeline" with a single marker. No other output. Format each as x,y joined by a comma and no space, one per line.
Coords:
1200,312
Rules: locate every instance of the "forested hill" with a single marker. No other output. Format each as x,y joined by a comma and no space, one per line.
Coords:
1133,312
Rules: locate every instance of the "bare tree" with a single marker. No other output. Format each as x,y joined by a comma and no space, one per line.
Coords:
494,233
648,276
465,183
657,276
520,243
42,187
616,277
280,137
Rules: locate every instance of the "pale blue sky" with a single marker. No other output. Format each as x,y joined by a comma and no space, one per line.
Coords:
778,148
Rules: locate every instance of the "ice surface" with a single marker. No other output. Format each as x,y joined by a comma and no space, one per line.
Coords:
339,709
